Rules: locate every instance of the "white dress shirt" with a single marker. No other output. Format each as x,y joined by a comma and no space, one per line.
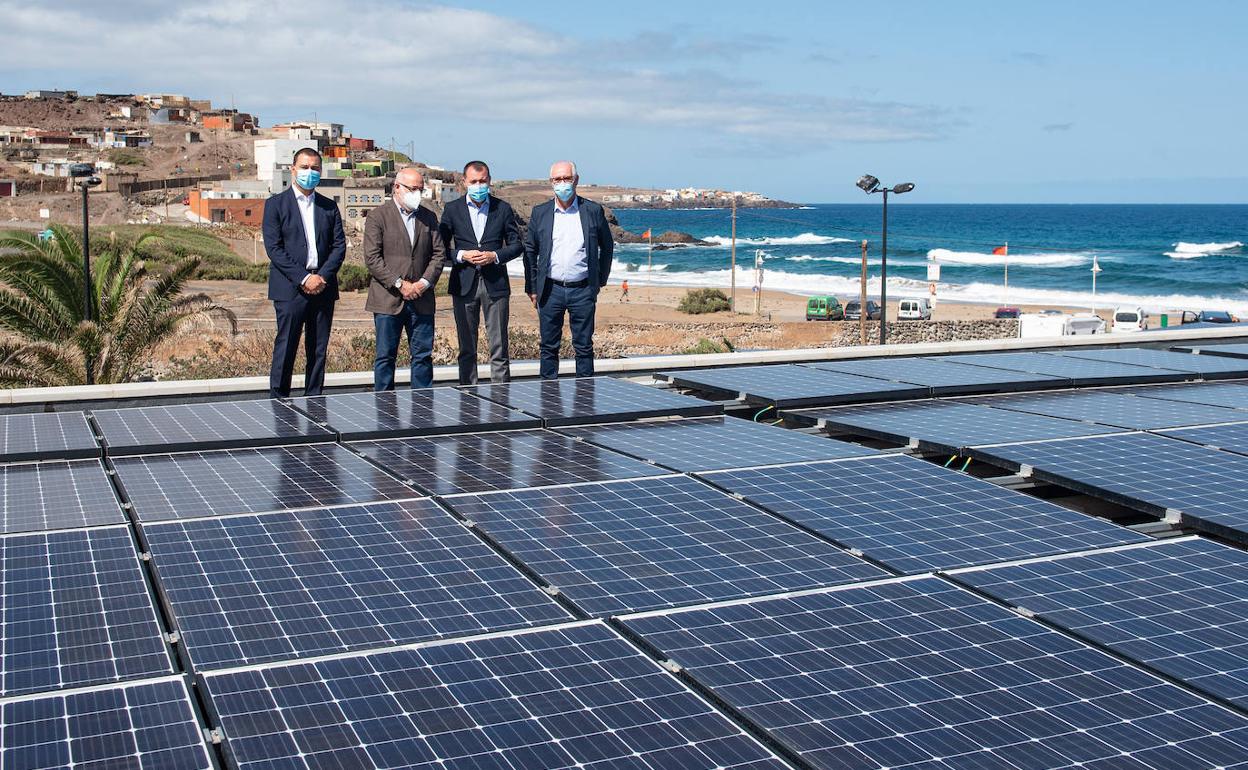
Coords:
568,260
477,214
307,211
409,221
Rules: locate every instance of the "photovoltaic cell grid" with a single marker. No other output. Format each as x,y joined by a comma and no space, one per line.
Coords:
61,435
788,385
148,725
1230,349
1209,367
204,426
632,545
1155,474
57,495
923,674
1179,606
711,443
423,411
75,611
1228,394
914,516
1232,437
943,425
1113,409
248,589
566,697
943,377
485,462
1078,370
580,400
179,486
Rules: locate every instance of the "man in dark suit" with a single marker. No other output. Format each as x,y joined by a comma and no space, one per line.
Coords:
404,254
567,259
305,243
481,236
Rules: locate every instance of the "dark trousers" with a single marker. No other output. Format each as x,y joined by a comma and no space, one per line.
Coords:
468,311
579,304
390,328
304,316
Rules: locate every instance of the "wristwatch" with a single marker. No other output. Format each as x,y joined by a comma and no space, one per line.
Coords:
398,283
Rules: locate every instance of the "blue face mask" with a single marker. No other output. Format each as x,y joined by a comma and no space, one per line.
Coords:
564,191
308,178
478,192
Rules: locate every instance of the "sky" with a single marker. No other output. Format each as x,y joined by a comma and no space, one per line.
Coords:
975,102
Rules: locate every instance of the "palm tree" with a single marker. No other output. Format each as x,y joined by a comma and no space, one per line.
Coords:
42,310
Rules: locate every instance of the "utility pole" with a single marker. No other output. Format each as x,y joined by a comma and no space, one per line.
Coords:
732,271
862,299
758,278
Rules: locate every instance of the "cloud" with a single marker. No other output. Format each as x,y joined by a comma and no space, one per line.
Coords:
290,59
1057,126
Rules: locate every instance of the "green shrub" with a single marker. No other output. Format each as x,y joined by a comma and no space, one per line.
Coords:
698,301
704,345
126,157
352,277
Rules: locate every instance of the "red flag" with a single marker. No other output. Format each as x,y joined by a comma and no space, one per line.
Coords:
1000,251
646,234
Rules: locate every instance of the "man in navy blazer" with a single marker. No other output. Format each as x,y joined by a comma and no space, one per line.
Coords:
567,259
481,236
305,243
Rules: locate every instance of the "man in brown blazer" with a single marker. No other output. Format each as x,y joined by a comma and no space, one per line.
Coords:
404,255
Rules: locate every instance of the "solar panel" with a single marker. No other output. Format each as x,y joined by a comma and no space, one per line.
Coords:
409,412
913,516
1179,606
246,589
919,673
56,495
629,545
581,400
60,435
147,725
1230,349
1114,409
1231,437
197,484
788,385
1186,483
944,426
75,611
945,378
575,696
485,462
1078,370
1228,394
204,426
1208,367
710,443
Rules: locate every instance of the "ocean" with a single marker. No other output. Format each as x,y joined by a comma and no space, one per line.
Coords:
1162,257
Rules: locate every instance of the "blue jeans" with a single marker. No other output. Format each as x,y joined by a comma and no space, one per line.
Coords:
419,342
579,304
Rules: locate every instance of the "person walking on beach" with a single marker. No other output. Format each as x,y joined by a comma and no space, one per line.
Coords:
404,254
481,236
567,259
305,243
624,291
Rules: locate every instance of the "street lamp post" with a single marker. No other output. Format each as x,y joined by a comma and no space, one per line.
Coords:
84,173
869,185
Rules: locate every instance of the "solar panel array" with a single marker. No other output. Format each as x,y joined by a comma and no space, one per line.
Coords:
1232,437
1113,409
1230,349
790,385
460,585
710,443
1208,367
1079,371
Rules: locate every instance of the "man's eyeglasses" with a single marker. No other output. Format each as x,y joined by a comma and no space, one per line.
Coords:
409,187
558,179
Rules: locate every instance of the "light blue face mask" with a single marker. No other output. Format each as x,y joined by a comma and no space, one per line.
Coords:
478,192
308,178
564,191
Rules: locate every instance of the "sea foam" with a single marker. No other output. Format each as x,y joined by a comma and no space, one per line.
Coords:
948,257
1184,250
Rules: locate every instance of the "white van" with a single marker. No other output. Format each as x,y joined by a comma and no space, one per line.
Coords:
1130,319
914,309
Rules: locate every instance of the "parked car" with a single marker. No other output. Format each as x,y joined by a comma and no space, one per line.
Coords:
1006,311
824,309
1085,323
1214,317
853,310
1130,319
914,309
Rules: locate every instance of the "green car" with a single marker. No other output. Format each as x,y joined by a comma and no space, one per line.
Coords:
824,309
